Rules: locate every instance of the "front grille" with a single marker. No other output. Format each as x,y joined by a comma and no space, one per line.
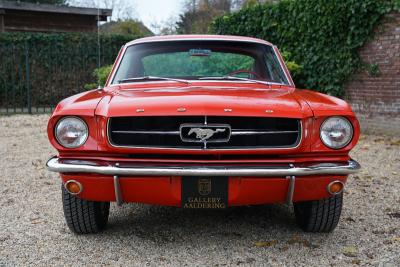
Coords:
164,132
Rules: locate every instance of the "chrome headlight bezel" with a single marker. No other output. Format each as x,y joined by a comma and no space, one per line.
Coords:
85,127
348,139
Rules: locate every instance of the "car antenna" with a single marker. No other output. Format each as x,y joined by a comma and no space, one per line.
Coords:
98,48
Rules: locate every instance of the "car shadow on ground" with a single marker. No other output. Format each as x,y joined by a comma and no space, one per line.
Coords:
170,224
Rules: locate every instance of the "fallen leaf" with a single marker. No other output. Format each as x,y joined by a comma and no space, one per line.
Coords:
396,239
36,220
356,261
350,251
296,239
395,143
265,243
368,177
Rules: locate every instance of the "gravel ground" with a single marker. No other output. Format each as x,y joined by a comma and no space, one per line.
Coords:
33,232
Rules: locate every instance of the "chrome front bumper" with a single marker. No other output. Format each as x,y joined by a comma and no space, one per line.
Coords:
89,166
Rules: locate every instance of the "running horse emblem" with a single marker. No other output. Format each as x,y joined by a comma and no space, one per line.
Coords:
205,134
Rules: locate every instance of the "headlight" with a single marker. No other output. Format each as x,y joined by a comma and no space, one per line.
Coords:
336,132
71,132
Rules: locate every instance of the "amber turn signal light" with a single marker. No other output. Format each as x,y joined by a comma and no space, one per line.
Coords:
335,187
73,187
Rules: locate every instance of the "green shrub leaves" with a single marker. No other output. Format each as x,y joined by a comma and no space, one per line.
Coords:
322,36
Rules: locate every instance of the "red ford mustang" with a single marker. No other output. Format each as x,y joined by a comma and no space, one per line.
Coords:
202,122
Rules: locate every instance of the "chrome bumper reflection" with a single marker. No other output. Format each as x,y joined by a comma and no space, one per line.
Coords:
89,166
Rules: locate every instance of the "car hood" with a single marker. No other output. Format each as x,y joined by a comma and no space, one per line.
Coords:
239,100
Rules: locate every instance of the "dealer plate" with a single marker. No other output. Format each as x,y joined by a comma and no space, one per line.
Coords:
204,192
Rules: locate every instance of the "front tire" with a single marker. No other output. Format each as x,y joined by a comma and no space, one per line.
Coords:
319,216
83,216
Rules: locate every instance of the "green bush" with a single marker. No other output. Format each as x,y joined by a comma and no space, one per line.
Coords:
101,75
45,68
294,68
322,36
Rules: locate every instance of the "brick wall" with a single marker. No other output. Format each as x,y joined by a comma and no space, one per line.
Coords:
376,97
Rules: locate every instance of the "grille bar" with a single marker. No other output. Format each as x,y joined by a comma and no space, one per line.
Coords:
234,132
260,132
148,132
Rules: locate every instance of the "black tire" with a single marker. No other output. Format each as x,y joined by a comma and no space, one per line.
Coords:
82,216
319,216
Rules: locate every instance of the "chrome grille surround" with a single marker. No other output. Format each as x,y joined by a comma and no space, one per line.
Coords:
234,132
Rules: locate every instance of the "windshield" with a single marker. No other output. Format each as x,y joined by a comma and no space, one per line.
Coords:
200,60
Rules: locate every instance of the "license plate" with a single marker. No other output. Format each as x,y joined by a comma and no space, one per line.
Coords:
204,192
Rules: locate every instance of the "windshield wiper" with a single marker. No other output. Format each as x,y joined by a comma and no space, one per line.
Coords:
234,78
151,78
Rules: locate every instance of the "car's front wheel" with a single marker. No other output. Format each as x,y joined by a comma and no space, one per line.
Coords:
319,215
83,216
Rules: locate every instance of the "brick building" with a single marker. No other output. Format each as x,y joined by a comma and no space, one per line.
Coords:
375,93
31,17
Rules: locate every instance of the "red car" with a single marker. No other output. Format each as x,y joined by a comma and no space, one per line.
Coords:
202,122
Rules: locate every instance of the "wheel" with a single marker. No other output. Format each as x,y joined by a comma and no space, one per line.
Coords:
319,215
82,216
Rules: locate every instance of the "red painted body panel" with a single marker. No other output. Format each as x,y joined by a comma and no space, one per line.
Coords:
203,98
167,190
200,98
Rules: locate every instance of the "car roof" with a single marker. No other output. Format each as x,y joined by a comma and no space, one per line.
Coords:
191,37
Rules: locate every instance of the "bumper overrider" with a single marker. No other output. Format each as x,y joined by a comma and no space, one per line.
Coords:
160,184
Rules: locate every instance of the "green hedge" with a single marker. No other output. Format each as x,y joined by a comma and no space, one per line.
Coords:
44,68
322,36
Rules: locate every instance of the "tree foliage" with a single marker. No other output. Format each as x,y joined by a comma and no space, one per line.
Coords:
126,27
199,13
322,36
